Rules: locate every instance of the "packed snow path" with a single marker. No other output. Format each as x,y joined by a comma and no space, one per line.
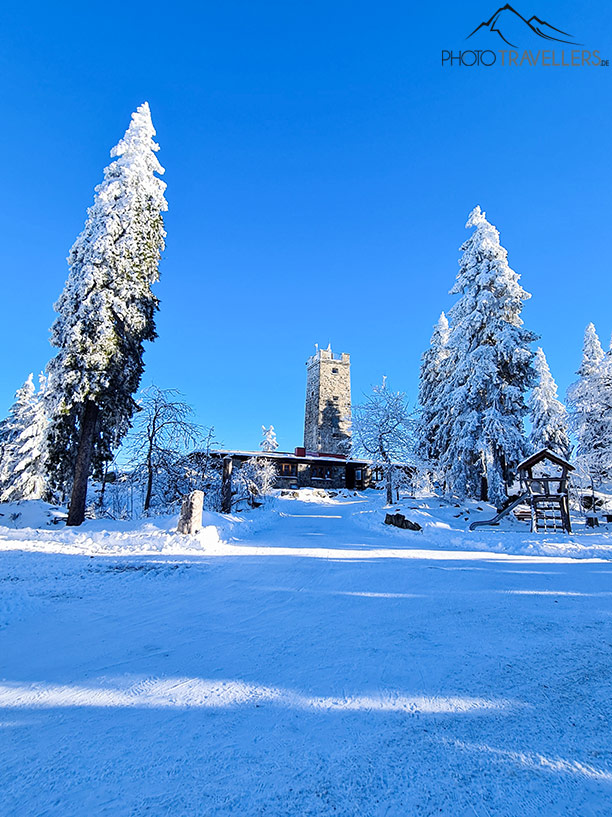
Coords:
315,666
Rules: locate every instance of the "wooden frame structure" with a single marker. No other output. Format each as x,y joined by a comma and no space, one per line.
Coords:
548,492
544,477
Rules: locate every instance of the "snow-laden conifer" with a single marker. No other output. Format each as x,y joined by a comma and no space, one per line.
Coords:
12,426
105,313
590,400
269,442
22,467
592,352
431,382
548,415
489,369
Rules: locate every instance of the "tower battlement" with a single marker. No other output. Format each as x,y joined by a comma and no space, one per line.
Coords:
327,421
327,354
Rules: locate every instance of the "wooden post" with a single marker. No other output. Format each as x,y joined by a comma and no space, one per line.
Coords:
226,486
565,514
190,519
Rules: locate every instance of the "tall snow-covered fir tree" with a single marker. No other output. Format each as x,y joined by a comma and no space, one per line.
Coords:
489,369
105,314
547,414
22,466
590,400
431,382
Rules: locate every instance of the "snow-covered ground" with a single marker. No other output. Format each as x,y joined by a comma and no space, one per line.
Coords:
304,659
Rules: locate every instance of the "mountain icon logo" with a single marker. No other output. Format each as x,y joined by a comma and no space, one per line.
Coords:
515,30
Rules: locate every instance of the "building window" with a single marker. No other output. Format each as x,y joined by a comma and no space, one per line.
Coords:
287,469
321,472
334,371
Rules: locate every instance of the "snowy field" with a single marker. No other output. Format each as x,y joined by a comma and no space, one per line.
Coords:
304,659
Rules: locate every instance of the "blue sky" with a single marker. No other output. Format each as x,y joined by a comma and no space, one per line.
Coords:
320,165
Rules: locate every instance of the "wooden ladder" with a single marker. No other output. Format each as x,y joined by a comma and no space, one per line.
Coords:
548,515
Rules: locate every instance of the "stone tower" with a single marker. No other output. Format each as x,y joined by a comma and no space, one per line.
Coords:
327,422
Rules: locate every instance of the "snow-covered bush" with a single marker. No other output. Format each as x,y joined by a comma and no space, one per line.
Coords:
254,480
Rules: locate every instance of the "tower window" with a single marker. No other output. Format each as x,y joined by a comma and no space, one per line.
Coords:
334,371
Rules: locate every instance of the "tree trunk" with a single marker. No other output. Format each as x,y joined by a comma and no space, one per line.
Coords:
151,435
226,486
78,498
389,487
484,483
484,489
103,487
149,491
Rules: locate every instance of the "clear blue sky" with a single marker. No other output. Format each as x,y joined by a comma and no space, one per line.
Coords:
320,166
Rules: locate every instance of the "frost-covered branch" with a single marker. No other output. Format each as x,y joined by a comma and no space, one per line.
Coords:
384,431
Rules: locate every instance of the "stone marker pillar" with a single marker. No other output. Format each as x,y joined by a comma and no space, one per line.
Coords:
226,486
190,519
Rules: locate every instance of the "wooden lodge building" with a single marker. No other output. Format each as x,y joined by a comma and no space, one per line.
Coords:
309,469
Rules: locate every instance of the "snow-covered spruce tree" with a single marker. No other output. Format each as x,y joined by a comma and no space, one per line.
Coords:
590,400
4,434
605,396
12,424
489,370
431,382
105,314
22,466
547,414
383,431
269,442
592,352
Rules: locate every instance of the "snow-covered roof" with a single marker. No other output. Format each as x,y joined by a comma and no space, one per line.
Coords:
286,455
544,454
